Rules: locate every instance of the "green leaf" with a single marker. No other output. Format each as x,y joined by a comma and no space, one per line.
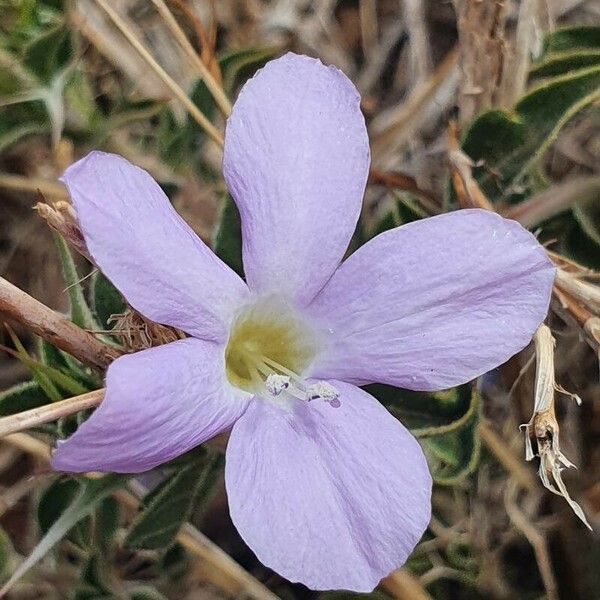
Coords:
55,377
203,99
79,97
11,134
88,592
571,38
587,214
174,562
227,243
80,312
20,397
49,54
50,355
239,65
444,422
454,454
106,299
93,576
560,64
168,507
510,144
7,555
578,246
567,50
62,361
89,494
53,501
404,209
146,593
106,522
427,413
35,368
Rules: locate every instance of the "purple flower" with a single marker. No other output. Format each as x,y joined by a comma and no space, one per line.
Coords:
324,485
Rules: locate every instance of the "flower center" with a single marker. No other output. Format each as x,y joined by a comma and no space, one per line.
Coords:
269,349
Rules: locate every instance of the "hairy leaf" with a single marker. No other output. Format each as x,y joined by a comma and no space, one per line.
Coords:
169,506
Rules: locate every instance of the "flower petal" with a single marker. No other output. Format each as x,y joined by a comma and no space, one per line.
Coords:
296,162
159,404
329,497
434,303
148,251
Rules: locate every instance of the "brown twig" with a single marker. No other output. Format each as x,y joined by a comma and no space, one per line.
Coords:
206,39
497,446
403,585
535,537
569,303
52,327
401,181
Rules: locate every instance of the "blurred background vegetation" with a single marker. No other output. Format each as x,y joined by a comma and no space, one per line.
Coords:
490,103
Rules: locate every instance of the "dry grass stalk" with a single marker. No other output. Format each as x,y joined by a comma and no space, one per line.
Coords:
50,412
467,189
592,329
394,126
403,585
586,293
590,323
504,455
543,427
212,85
91,21
52,189
482,54
211,131
553,200
369,28
54,328
420,59
535,537
526,40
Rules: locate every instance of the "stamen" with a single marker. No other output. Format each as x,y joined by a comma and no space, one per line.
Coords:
324,391
281,368
275,384
275,379
297,390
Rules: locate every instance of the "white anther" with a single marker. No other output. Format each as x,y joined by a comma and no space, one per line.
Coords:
324,391
276,384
